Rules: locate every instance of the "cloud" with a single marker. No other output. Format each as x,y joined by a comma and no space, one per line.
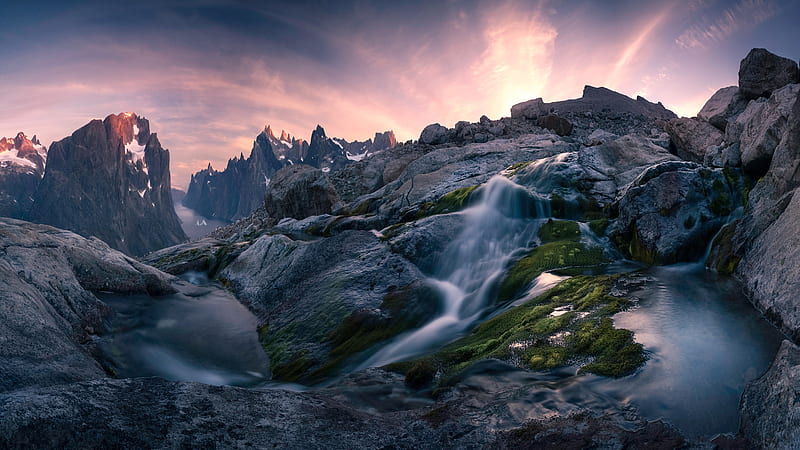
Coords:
744,15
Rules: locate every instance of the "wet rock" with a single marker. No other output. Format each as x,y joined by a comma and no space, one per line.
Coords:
559,125
303,291
434,134
762,72
671,211
529,110
692,138
725,104
760,127
422,241
204,255
300,191
770,406
47,307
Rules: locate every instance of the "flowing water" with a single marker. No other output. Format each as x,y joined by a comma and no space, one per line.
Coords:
199,334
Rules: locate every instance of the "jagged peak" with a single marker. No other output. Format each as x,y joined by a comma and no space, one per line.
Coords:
285,136
268,131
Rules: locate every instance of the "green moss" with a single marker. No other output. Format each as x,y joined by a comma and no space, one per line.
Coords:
514,168
615,352
639,251
558,230
420,374
558,205
552,255
294,368
524,334
599,226
453,201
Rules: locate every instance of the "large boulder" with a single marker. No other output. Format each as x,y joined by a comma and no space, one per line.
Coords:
762,72
312,297
760,127
692,137
723,105
671,211
770,406
300,191
434,134
558,125
529,110
48,312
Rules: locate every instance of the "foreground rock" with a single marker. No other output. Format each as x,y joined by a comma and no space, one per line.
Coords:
319,302
692,138
48,312
771,404
300,191
111,179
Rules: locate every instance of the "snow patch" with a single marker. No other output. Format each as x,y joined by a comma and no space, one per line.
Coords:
338,144
353,157
141,192
11,157
135,150
326,169
287,143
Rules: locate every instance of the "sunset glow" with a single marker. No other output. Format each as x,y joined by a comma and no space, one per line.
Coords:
369,66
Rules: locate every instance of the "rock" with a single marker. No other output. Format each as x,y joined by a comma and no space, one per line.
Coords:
310,297
672,210
604,101
762,72
21,169
559,125
424,240
770,406
529,110
110,179
300,191
204,255
692,138
599,137
434,134
324,153
47,307
725,104
723,156
759,128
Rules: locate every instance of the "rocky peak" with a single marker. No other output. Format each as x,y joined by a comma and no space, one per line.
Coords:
384,140
285,137
268,132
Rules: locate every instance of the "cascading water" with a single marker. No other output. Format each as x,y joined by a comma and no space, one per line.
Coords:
501,224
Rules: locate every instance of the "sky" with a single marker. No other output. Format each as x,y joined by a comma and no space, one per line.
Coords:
210,74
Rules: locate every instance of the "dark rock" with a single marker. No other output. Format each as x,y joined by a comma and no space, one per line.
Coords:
111,179
434,134
47,307
762,72
559,125
770,406
725,104
300,191
324,153
604,101
692,138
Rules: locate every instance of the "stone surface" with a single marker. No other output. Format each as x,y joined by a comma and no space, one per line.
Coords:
760,127
558,125
529,110
762,72
692,138
770,406
725,104
48,311
110,179
672,210
300,191
301,291
434,134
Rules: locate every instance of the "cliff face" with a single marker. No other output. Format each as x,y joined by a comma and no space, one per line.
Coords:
22,163
110,179
239,189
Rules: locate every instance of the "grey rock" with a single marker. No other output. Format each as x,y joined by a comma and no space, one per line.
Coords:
692,137
208,255
20,174
723,156
48,311
424,240
300,191
762,72
599,137
672,210
529,110
302,291
770,406
725,104
605,101
434,134
759,128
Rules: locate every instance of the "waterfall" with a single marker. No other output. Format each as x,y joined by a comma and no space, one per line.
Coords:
497,227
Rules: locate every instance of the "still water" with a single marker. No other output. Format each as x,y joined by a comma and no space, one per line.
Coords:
194,225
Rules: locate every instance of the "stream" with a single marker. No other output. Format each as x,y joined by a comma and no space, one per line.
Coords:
703,339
